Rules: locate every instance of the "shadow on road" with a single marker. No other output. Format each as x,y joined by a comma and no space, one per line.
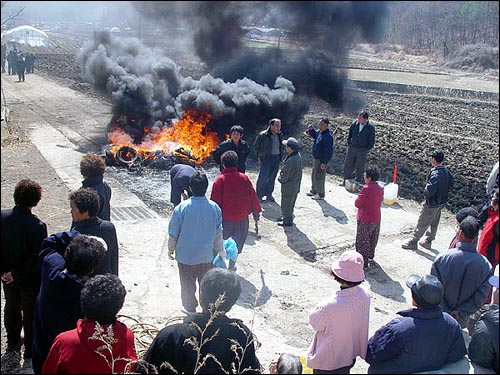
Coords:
382,284
300,243
329,210
251,296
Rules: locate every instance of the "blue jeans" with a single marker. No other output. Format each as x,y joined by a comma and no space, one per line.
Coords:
267,176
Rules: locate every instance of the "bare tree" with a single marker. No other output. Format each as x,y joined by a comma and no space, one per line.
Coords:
10,16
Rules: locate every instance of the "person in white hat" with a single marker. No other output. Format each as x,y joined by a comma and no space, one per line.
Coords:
341,321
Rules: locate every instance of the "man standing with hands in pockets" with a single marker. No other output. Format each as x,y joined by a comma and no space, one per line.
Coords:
322,152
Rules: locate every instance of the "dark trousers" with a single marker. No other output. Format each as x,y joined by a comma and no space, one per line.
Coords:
189,274
18,314
287,206
20,75
429,218
238,231
367,239
267,176
341,370
318,177
355,159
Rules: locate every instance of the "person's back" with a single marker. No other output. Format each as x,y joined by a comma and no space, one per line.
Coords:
100,344
84,207
92,168
483,347
68,258
464,274
423,338
232,347
180,174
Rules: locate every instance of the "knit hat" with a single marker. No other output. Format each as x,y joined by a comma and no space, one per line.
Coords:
427,291
349,266
292,143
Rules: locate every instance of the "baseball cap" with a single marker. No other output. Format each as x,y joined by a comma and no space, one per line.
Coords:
427,291
493,280
349,266
291,142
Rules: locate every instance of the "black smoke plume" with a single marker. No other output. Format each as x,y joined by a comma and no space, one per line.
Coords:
147,86
324,29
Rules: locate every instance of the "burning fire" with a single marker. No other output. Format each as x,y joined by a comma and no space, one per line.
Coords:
187,138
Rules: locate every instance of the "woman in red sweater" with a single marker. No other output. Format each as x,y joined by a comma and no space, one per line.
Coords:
368,203
100,344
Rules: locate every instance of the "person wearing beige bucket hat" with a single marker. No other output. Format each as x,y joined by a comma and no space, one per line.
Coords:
422,338
341,321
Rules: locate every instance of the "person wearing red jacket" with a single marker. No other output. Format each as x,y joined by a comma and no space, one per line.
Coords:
234,193
100,344
368,203
488,242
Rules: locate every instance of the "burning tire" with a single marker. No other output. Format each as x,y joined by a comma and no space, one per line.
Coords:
126,156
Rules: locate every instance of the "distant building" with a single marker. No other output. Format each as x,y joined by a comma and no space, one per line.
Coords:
26,35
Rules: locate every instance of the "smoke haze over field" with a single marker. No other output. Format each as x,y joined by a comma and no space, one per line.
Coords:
245,85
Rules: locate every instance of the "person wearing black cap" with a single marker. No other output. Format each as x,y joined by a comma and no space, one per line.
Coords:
460,215
290,178
439,183
322,152
423,338
360,140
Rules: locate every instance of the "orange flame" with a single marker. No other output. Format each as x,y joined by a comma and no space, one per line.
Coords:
188,137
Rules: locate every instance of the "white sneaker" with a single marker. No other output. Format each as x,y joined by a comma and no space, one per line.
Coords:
317,197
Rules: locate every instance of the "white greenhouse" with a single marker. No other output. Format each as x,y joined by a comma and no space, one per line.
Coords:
26,35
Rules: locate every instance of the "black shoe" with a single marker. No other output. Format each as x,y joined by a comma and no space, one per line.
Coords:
271,199
285,224
342,183
310,193
280,218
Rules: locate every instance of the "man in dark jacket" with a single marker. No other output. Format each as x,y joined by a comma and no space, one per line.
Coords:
483,346
439,184
68,259
360,140
180,175
190,347
236,144
424,338
84,207
290,178
92,168
322,152
22,235
267,149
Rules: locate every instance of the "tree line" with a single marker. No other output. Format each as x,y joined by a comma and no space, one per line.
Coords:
434,26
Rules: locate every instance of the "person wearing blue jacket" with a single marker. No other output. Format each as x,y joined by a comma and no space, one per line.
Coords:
423,338
322,152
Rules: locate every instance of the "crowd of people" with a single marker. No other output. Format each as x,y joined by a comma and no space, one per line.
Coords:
18,62
63,291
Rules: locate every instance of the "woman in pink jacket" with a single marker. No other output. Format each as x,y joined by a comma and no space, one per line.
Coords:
341,321
368,203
